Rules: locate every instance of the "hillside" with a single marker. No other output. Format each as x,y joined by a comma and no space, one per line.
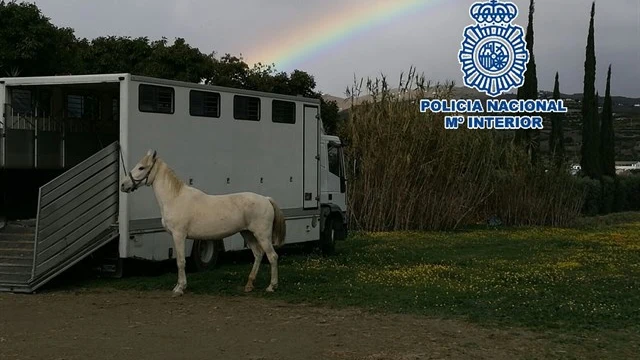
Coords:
626,120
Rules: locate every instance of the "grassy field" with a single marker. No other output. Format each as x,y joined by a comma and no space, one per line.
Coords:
574,281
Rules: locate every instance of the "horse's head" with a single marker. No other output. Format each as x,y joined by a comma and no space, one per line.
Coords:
140,174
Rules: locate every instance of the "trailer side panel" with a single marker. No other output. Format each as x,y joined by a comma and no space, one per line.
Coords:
233,145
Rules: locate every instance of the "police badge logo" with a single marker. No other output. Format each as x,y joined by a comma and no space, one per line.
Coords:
493,55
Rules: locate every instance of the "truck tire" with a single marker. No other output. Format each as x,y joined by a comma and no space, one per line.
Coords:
204,255
328,238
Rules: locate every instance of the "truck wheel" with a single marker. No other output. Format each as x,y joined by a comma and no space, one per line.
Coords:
204,255
328,240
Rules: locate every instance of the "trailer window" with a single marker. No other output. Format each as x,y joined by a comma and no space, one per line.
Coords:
156,99
246,108
21,101
204,103
82,107
283,112
334,160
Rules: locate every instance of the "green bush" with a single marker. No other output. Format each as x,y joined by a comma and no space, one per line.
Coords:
610,195
620,201
631,186
592,191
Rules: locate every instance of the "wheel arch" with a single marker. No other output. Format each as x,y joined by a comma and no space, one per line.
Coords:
333,211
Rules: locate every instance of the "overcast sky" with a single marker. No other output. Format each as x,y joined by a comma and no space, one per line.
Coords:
428,37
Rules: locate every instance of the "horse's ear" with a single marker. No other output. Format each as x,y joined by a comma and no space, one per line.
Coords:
154,154
149,152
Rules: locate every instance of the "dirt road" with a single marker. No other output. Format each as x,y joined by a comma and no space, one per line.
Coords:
150,325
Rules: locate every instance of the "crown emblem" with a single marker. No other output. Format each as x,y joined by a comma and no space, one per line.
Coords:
493,53
493,12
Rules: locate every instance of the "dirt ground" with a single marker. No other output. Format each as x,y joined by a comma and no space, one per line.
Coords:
153,325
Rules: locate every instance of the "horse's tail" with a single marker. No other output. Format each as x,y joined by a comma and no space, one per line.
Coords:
279,229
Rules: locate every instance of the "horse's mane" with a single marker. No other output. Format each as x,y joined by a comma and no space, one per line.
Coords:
175,184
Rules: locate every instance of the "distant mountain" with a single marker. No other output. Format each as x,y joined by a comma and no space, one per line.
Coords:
626,116
621,103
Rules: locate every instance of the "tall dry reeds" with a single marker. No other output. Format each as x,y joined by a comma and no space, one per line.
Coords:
407,172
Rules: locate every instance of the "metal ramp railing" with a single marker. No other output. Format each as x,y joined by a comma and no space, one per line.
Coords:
76,212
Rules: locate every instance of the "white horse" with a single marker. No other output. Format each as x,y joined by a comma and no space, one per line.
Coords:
189,213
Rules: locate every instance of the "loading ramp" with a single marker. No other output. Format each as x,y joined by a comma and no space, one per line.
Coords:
77,214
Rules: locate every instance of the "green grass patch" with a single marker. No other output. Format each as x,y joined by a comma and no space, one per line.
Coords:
544,278
586,222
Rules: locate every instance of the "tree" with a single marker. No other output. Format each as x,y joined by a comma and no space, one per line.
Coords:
607,137
303,83
266,78
556,139
529,90
116,54
229,71
595,110
179,61
590,145
330,116
30,45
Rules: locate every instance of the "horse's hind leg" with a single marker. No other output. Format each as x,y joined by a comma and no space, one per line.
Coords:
264,239
257,254
273,261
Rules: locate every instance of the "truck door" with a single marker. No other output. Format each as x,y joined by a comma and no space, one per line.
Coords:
311,157
336,182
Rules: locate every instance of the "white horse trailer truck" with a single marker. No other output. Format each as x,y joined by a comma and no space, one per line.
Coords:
68,140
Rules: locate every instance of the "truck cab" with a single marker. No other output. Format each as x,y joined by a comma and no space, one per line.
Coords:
333,195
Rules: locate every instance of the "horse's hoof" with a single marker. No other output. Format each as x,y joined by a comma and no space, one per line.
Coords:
248,288
270,288
177,293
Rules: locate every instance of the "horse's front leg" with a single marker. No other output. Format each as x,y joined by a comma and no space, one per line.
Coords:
179,245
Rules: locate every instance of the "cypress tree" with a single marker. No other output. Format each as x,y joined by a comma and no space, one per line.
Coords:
607,137
529,90
556,140
596,134
589,148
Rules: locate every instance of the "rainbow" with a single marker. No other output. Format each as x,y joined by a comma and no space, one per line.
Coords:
333,30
